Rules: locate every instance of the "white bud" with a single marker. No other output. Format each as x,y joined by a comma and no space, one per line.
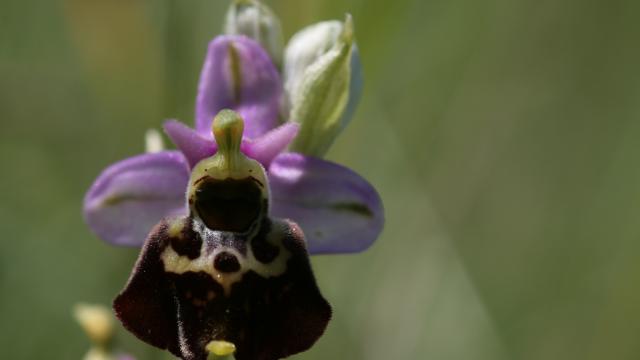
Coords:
323,80
305,48
255,20
153,141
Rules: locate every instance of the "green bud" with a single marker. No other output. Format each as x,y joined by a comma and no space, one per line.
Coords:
318,76
255,20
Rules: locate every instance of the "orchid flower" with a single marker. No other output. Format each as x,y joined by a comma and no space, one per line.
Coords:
338,210
228,273
245,198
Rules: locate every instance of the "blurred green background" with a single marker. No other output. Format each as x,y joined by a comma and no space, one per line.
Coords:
503,136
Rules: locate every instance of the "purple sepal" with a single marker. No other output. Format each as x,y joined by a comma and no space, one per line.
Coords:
239,75
193,145
265,148
129,197
338,210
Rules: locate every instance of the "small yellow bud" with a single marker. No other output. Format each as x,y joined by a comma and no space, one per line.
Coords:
221,348
96,321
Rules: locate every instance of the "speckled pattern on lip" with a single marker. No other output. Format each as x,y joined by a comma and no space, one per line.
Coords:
268,310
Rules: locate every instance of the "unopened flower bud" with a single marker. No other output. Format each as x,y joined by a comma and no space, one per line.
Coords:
153,141
255,20
323,81
96,321
220,348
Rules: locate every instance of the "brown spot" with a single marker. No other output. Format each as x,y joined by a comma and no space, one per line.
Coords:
262,250
188,243
226,262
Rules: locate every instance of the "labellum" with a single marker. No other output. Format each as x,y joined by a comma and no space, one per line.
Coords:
226,275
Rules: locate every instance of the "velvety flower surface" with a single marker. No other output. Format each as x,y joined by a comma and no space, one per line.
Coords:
337,209
227,271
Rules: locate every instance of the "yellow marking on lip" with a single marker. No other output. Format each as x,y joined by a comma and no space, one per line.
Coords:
180,264
175,228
